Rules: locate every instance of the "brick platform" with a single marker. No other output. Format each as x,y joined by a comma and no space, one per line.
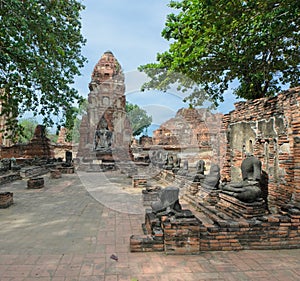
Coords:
150,195
139,181
6,199
67,170
176,234
181,235
10,177
35,183
55,174
236,208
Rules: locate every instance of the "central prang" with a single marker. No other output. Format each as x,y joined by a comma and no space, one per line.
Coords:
105,131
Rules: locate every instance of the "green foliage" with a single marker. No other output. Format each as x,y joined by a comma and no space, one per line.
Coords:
72,122
138,118
40,53
52,136
214,43
28,126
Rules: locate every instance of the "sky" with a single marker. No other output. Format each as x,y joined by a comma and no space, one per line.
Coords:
131,30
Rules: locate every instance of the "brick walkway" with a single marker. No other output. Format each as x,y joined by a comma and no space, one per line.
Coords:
61,233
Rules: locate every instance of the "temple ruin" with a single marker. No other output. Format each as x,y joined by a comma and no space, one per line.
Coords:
105,132
252,202
269,129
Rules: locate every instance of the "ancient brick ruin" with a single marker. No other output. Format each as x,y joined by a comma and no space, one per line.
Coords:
6,199
194,133
267,130
38,147
105,132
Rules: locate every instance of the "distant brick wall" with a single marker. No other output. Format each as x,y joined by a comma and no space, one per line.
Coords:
270,129
194,132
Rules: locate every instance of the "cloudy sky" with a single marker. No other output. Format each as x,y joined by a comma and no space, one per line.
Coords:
131,29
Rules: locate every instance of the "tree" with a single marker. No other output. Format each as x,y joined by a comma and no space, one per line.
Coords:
213,43
138,118
28,126
40,54
73,118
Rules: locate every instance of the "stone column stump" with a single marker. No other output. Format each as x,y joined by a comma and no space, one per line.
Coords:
35,183
55,174
67,170
6,199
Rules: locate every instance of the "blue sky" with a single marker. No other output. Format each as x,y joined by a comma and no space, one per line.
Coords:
131,29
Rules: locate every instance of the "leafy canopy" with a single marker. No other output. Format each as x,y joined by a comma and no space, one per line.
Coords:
213,43
40,53
138,118
73,117
28,126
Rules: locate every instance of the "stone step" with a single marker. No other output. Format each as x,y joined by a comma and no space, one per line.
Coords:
10,177
197,211
209,215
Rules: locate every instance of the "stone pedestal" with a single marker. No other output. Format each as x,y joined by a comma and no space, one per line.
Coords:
150,195
192,187
182,234
67,170
236,208
176,234
55,174
139,181
9,177
209,196
6,199
35,183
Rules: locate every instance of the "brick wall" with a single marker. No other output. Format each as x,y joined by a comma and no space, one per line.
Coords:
193,132
191,236
268,128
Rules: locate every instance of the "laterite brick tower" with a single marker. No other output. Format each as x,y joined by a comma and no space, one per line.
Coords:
105,132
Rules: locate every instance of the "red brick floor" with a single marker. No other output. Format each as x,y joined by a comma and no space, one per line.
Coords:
61,233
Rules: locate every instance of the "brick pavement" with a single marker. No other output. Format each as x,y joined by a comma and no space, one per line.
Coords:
61,233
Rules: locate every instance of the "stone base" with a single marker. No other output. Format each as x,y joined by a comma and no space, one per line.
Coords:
10,177
94,168
104,156
67,170
145,243
35,183
139,181
167,176
36,171
150,195
209,196
236,208
176,234
55,174
192,187
6,199
182,235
